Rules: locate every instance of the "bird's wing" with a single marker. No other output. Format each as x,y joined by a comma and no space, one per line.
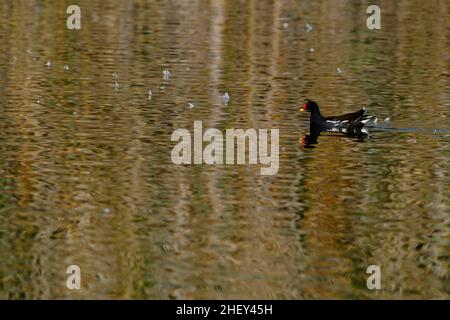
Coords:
348,116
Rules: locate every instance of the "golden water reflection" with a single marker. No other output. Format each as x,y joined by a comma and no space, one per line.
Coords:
85,170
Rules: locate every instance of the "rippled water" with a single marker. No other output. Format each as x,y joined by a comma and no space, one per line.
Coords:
86,176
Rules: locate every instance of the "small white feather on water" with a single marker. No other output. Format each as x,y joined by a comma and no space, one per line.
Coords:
226,98
166,74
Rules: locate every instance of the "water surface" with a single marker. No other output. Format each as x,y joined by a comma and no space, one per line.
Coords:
86,176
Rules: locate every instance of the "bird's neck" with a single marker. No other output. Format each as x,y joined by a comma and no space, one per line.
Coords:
316,118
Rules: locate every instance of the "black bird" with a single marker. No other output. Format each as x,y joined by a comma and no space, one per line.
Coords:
349,123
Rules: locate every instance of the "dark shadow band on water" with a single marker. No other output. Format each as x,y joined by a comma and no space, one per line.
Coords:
391,129
308,141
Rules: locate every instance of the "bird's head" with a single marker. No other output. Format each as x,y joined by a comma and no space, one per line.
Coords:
309,106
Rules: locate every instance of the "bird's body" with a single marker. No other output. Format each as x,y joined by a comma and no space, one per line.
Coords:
347,123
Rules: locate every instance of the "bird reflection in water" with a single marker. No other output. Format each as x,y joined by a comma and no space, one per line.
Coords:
311,139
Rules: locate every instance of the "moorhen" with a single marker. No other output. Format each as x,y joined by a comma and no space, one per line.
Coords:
349,123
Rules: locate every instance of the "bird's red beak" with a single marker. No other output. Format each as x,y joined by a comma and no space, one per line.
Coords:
305,107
